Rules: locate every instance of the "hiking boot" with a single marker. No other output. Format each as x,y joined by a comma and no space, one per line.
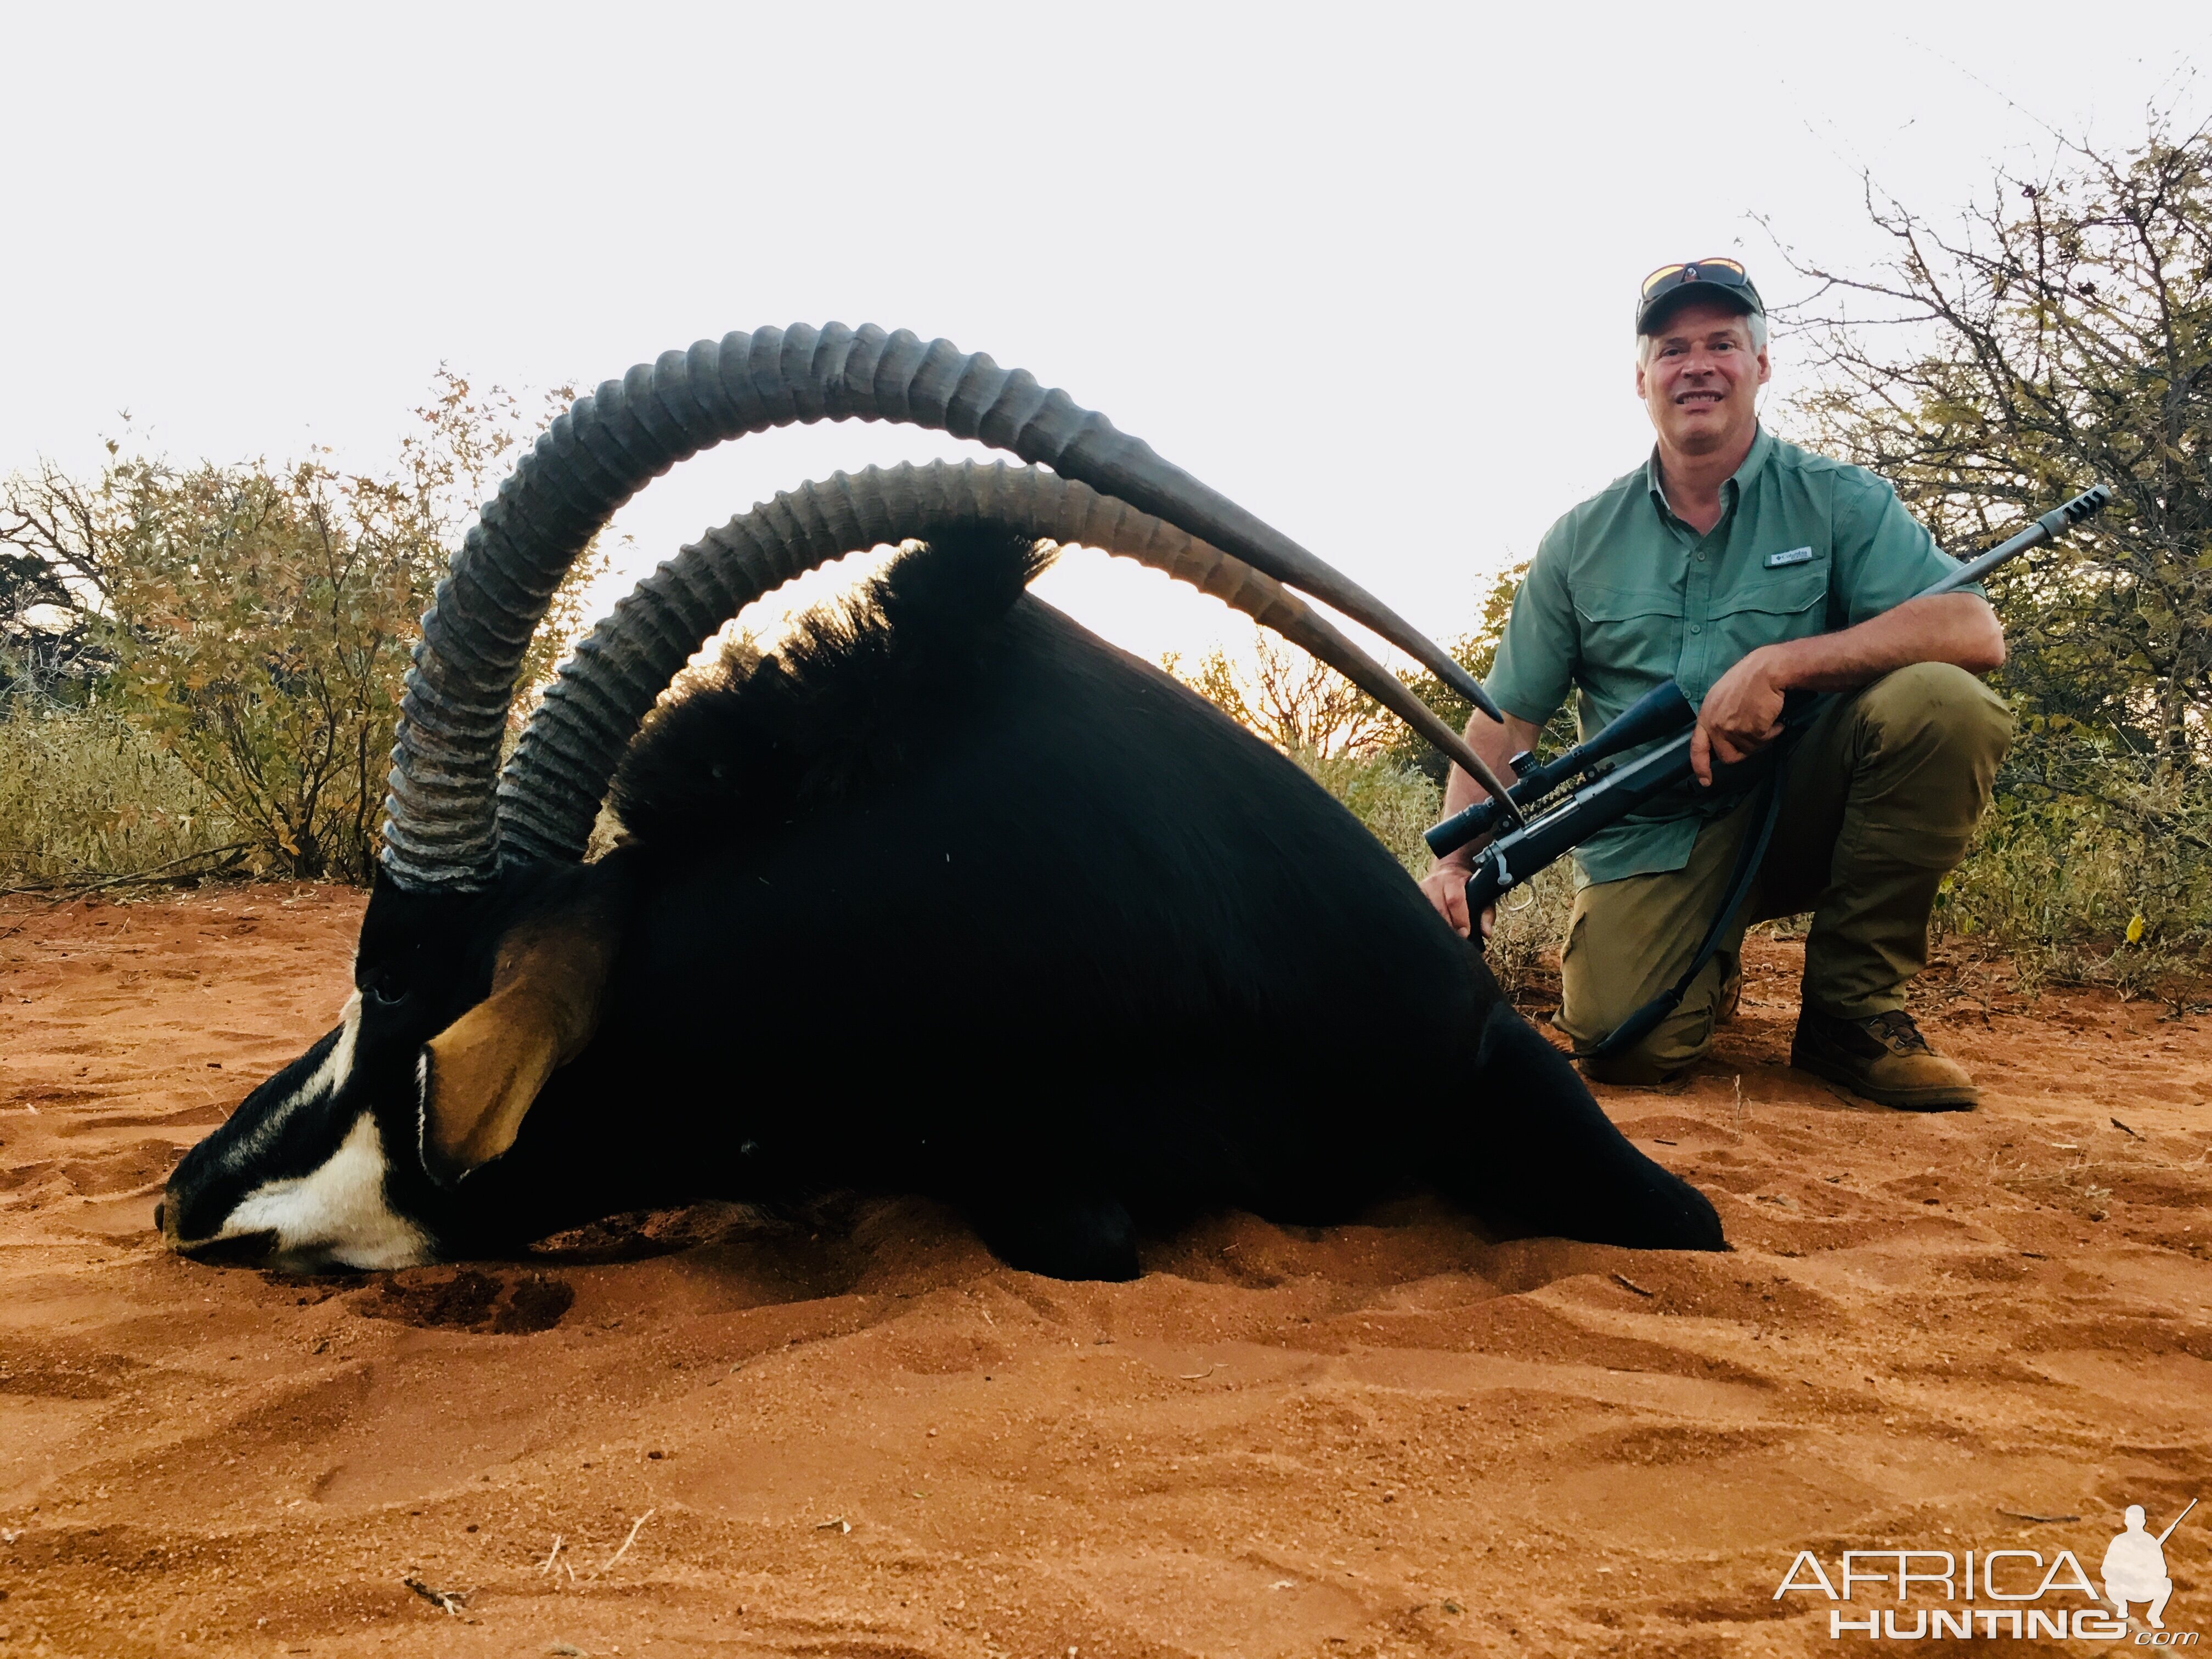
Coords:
1884,1058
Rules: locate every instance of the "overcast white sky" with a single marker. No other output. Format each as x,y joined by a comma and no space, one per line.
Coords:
1367,269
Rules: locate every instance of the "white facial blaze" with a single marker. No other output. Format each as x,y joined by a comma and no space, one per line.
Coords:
338,1063
319,1084
338,1213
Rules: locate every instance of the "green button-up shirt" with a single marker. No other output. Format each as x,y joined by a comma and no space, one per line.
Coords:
1623,596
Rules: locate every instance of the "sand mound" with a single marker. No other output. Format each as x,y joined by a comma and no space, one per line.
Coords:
862,1436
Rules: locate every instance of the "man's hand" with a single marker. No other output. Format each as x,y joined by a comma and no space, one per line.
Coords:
1446,886
1742,711
1446,882
1741,715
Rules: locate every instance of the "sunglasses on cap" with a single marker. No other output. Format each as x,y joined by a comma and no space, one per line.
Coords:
1726,272
1665,287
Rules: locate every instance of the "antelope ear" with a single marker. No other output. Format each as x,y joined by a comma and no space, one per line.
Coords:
476,1078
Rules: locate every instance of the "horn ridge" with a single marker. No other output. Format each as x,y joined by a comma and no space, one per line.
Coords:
803,368
644,388
702,590
588,713
618,674
571,472
612,441
550,791
677,398
662,612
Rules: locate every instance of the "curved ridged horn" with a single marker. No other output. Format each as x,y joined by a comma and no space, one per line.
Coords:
441,826
553,785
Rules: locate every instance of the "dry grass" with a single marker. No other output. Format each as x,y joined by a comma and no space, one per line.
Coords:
1524,937
2114,892
85,796
2100,1163
1396,803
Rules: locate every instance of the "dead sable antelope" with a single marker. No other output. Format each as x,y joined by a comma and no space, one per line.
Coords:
946,896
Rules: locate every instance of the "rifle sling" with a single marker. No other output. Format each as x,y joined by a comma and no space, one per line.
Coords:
1748,857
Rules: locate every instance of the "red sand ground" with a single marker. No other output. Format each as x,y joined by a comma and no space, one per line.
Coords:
871,1439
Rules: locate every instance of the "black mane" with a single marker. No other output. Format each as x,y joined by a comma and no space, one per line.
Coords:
854,697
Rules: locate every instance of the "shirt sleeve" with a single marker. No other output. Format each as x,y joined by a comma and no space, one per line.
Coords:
1883,556
1535,666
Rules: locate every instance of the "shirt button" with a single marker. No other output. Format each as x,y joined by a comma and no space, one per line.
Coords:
1694,629
1701,558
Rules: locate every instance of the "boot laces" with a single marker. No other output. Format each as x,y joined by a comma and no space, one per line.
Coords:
1896,1030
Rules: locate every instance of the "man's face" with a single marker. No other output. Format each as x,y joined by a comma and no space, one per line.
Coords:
1701,381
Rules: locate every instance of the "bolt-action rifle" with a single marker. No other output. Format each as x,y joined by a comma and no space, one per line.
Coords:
1553,829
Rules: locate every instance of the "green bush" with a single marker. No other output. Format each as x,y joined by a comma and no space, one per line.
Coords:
2107,883
2057,333
256,621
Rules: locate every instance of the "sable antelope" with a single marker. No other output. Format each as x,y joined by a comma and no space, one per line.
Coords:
946,896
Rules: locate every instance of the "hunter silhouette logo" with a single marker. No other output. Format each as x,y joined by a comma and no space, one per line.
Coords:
2135,1567
1994,1594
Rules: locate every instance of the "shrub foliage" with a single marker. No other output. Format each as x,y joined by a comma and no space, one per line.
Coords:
2058,335
256,620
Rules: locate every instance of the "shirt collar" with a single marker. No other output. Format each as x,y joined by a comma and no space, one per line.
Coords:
1762,450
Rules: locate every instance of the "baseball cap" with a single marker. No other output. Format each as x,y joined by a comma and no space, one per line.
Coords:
1696,279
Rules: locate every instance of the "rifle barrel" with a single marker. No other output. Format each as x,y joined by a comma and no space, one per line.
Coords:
2177,1520
2052,525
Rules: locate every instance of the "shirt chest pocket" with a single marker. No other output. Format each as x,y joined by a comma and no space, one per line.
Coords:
1629,638
1768,607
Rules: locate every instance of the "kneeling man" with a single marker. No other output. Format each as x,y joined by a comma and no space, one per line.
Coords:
1745,568
2134,1570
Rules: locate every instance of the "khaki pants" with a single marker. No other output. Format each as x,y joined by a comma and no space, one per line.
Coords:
1880,801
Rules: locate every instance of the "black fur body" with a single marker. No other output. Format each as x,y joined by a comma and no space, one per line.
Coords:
950,896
